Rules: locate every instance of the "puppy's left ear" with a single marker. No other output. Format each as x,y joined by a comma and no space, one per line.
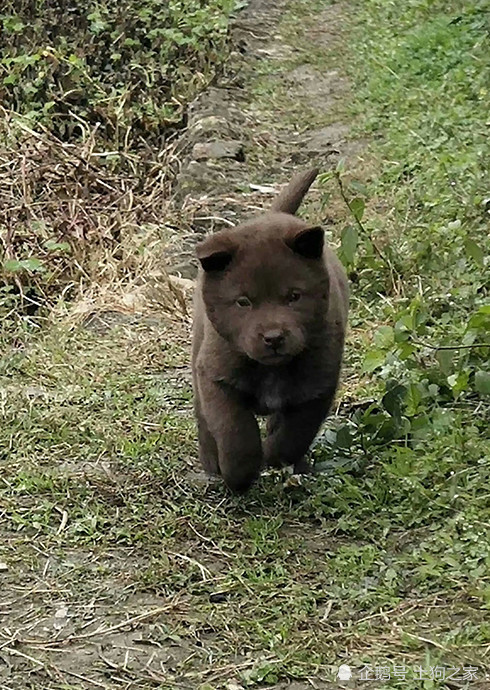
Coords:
216,252
308,242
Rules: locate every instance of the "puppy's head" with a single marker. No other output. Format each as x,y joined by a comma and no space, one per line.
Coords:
265,286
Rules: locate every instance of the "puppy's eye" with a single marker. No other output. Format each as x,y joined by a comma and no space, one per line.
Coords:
243,302
294,296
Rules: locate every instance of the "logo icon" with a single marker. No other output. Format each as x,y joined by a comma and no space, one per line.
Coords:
344,672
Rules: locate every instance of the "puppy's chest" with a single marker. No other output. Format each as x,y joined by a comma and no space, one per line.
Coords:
267,391
272,393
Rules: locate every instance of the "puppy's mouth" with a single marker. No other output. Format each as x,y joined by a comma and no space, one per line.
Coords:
274,358
272,354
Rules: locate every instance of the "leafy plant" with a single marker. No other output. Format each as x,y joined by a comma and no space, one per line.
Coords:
419,262
131,67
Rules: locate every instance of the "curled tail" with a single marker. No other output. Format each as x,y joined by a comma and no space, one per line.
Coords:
290,198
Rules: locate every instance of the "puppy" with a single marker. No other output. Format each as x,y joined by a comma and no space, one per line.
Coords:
270,316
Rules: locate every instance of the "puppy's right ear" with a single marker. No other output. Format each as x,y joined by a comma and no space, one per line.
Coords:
216,252
308,242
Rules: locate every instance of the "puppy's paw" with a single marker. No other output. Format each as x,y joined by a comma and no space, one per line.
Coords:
302,467
274,461
240,479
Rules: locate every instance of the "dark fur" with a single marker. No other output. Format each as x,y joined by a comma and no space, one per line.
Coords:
277,351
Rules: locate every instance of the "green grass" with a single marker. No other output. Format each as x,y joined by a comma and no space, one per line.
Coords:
104,438
381,560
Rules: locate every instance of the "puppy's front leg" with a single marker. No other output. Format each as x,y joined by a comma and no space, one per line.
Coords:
236,432
208,452
291,432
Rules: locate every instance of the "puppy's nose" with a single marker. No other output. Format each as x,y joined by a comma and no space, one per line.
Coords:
273,338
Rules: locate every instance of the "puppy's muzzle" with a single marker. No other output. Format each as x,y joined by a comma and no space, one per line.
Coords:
274,339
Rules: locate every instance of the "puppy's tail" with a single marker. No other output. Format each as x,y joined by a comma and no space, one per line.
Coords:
290,198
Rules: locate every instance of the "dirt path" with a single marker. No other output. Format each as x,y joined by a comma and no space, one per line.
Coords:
278,108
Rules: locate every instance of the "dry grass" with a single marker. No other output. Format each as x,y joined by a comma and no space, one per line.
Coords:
77,222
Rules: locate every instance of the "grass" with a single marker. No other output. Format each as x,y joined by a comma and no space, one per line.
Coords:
121,566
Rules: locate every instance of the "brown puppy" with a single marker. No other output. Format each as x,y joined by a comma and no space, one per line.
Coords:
270,315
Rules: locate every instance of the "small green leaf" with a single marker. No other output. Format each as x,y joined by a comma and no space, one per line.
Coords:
481,319
469,337
405,350
53,246
49,105
12,78
348,242
476,253
482,382
433,390
340,166
393,400
458,382
373,360
34,265
12,24
402,328
344,437
16,266
420,426
326,177
413,399
445,359
454,224
12,266
357,207
74,60
384,337
358,187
